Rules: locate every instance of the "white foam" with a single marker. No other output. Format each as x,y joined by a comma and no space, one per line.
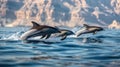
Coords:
15,36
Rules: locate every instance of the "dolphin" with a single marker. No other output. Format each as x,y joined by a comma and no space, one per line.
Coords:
89,29
64,33
39,30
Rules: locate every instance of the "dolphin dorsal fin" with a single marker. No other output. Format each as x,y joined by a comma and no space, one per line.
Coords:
56,27
85,25
34,24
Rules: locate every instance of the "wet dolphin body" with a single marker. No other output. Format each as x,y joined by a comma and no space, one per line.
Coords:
64,33
89,29
39,30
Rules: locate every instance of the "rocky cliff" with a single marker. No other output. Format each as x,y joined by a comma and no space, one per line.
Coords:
59,12
115,25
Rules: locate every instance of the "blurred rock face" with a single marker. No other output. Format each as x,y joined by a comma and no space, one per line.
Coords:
115,25
59,12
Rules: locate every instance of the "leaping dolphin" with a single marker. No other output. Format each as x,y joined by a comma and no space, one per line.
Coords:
39,30
64,33
89,29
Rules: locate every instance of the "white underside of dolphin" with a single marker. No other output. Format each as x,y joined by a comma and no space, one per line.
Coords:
34,33
80,31
26,34
39,30
88,29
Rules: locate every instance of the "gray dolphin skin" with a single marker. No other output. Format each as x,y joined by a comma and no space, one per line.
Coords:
64,33
89,29
39,30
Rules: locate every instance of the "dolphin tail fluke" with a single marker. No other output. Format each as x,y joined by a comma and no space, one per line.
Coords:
48,36
63,37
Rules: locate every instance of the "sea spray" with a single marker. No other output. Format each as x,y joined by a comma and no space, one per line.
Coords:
14,36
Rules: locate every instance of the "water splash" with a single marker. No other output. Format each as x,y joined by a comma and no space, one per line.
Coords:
14,36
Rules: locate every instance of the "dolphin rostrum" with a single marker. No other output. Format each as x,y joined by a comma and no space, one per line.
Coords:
39,30
89,29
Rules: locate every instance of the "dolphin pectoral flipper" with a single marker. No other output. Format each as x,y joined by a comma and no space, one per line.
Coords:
48,36
63,37
43,36
78,34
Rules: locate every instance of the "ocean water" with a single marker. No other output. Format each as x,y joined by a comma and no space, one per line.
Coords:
99,50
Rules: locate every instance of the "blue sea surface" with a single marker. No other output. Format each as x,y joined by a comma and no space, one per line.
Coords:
87,50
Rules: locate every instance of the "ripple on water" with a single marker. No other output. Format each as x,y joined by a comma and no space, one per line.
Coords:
100,50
